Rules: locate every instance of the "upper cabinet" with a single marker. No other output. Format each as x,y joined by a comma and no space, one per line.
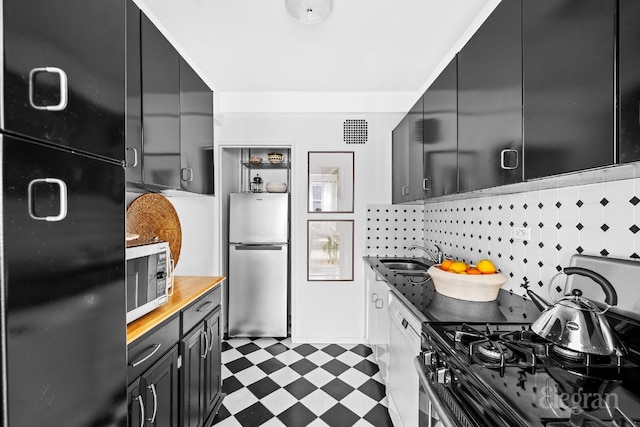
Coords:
399,161
490,102
160,108
569,71
439,133
52,91
629,81
536,97
196,132
424,144
169,113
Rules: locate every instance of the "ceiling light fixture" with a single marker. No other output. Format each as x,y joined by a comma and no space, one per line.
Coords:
309,11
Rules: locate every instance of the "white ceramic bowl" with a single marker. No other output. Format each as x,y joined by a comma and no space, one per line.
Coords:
468,287
276,187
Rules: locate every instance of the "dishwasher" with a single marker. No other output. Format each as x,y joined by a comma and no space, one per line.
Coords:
403,381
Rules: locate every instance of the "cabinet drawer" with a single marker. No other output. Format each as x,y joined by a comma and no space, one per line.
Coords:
194,314
148,349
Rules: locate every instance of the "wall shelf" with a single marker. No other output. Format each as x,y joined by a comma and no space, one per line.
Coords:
267,165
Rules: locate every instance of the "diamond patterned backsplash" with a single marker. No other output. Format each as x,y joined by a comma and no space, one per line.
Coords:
596,219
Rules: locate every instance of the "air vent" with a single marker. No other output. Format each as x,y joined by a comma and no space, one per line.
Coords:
355,131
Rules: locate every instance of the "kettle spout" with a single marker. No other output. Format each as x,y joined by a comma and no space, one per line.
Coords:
540,302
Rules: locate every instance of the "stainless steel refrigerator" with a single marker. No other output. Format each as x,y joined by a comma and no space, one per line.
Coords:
258,264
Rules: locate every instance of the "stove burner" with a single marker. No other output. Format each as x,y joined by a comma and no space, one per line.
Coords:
495,351
568,354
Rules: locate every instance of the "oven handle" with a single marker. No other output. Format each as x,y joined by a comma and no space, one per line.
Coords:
446,417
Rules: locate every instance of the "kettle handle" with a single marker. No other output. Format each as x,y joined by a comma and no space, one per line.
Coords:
610,293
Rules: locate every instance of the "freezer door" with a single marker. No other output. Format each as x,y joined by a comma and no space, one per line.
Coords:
258,286
64,281
258,218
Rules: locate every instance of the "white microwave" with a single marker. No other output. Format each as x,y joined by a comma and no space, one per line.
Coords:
149,278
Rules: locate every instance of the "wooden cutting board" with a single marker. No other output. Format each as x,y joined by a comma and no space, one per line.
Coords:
152,215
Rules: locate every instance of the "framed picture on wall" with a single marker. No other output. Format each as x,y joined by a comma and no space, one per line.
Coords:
330,181
330,250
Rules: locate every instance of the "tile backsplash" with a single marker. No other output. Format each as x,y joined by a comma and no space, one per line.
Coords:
596,219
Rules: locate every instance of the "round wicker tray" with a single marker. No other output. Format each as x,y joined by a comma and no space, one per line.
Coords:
152,215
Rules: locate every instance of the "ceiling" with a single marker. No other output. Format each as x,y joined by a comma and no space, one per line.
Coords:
364,45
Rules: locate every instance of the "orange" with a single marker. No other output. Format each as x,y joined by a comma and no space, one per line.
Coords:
486,267
446,264
473,271
458,267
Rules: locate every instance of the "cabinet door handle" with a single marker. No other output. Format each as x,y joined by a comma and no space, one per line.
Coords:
204,306
187,174
405,187
503,163
206,345
211,342
142,415
374,297
379,303
63,199
152,387
154,350
135,158
426,187
64,91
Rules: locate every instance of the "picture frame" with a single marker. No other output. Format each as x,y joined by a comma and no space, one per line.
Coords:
330,250
331,179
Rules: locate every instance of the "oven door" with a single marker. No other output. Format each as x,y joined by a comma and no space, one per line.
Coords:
437,406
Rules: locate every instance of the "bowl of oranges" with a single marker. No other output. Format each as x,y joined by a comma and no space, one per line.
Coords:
469,282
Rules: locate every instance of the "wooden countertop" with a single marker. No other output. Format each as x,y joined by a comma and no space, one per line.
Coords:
186,289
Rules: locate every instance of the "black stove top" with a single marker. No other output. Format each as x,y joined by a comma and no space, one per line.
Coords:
504,374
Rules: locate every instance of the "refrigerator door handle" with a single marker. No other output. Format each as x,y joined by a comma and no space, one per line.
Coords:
258,247
63,199
64,91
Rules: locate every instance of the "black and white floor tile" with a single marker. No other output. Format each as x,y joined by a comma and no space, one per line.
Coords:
273,382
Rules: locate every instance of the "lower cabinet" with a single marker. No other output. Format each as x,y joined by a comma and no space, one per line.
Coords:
174,371
378,319
200,372
153,397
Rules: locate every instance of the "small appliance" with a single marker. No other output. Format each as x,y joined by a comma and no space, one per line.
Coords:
148,278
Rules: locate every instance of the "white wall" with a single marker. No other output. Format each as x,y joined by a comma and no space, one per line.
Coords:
322,311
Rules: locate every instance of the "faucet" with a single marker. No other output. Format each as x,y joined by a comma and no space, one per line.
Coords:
436,257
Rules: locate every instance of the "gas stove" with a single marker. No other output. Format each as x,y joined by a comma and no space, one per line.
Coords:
503,374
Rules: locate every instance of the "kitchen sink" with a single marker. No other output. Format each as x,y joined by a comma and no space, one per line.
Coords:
404,265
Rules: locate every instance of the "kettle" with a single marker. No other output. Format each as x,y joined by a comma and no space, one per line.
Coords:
575,322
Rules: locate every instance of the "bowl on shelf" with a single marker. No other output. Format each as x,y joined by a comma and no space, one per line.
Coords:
468,287
255,160
276,187
276,157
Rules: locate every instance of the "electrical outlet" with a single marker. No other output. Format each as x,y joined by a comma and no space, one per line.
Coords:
521,233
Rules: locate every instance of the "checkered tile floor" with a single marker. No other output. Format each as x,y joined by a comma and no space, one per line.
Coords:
273,382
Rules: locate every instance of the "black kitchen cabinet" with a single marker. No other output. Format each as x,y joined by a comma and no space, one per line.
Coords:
415,160
490,101
629,81
201,383
187,378
196,132
407,152
160,107
193,348
569,71
399,159
64,73
159,386
213,367
133,136
440,134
